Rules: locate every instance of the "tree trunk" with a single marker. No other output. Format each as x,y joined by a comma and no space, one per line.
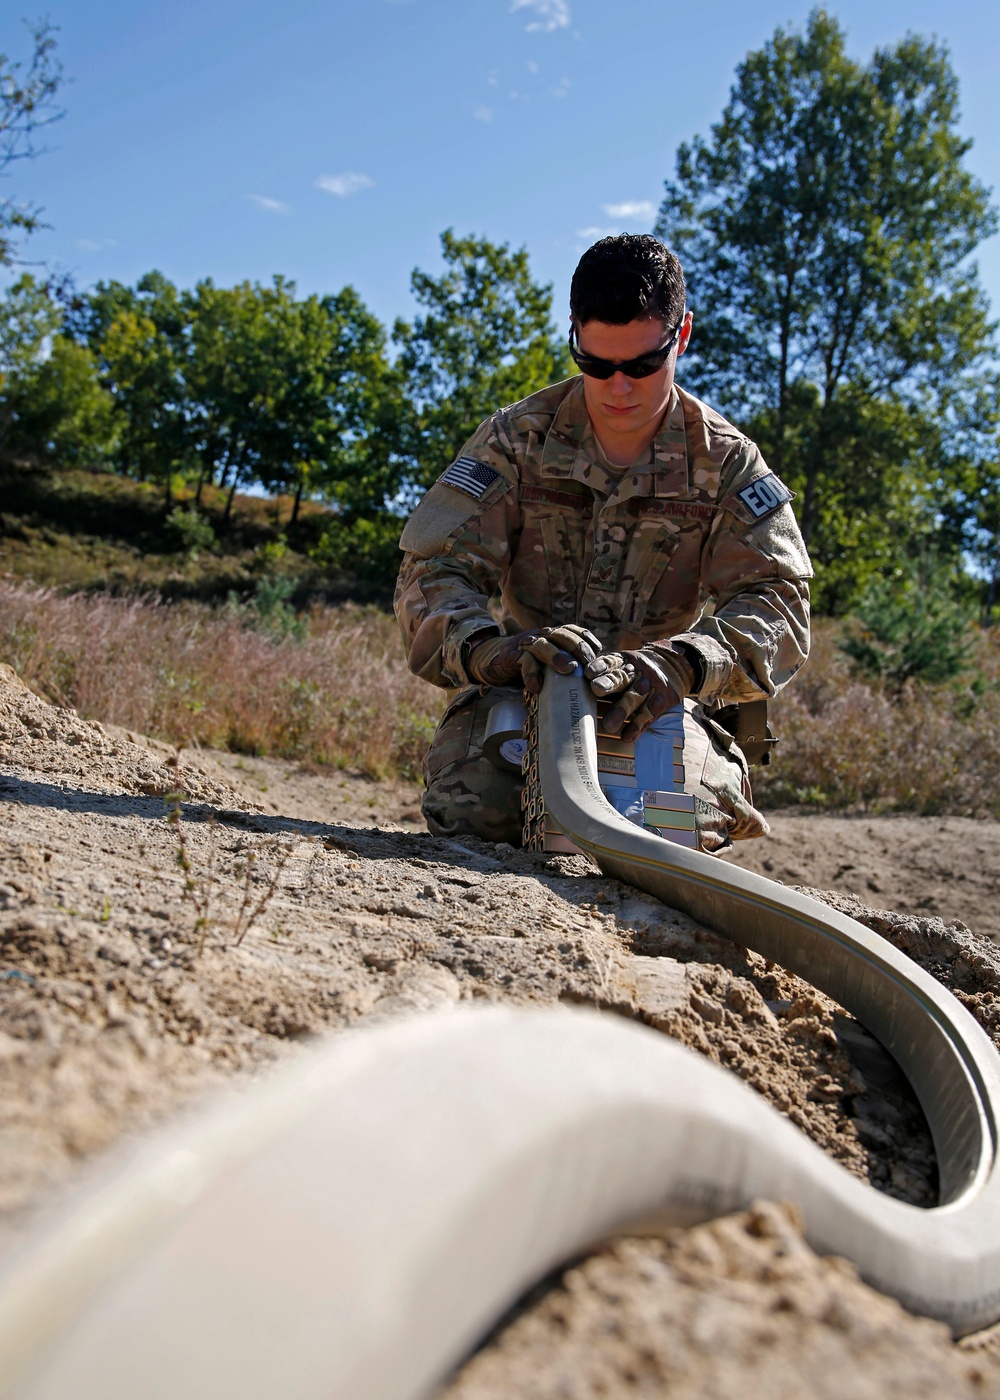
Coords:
807,518
229,499
779,437
298,500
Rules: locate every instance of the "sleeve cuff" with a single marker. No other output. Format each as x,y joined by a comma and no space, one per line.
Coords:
711,659
453,653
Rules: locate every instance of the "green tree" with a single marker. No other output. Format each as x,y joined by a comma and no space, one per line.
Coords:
825,229
53,408
233,375
970,492
89,316
485,340
29,317
333,425
142,371
364,464
296,395
140,338
982,533
910,627
27,105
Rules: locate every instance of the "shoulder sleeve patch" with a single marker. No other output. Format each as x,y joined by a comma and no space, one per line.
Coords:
469,475
446,510
765,494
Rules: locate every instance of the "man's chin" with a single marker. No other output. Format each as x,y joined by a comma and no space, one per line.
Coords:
623,422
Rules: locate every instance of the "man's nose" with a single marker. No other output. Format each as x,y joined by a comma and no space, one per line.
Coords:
620,384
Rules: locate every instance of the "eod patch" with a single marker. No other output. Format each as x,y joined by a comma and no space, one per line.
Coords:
765,494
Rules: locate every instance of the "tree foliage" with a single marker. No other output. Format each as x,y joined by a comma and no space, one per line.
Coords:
970,508
297,395
485,340
27,105
53,408
825,229
250,385
910,627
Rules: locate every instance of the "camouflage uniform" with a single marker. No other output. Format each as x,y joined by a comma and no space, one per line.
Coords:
533,508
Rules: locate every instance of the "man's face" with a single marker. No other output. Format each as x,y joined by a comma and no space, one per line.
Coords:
629,406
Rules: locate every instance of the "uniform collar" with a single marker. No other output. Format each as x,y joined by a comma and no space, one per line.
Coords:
570,453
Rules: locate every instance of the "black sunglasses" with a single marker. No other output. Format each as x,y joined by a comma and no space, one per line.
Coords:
639,368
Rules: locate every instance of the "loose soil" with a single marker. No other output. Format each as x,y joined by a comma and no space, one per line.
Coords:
152,947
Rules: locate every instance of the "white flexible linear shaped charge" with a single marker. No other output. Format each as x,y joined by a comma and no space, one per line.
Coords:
349,1228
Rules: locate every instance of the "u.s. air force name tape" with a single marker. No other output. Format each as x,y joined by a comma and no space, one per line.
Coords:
469,475
765,494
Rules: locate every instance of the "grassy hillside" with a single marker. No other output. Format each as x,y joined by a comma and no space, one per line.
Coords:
85,530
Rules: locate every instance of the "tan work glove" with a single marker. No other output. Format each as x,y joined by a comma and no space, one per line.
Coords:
648,684
522,658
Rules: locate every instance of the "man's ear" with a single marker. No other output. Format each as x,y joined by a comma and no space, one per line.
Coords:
685,335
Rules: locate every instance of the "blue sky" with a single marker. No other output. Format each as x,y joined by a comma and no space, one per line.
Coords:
332,140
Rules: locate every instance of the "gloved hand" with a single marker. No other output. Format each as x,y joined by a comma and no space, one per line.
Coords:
522,658
648,684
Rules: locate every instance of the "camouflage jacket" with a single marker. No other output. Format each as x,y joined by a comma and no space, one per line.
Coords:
531,507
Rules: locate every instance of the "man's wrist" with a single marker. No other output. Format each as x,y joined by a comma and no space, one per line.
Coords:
677,663
485,634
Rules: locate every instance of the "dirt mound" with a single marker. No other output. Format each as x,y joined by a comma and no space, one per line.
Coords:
72,752
739,1307
142,959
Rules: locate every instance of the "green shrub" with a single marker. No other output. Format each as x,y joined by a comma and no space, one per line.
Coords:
366,549
188,531
910,628
268,608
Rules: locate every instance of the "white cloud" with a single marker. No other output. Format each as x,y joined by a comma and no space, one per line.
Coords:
346,184
552,14
562,89
89,245
593,234
483,114
269,205
532,66
631,209
492,78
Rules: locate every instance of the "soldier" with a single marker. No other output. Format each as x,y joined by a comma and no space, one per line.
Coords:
628,528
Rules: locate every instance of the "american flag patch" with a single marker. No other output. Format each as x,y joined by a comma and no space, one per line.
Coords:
469,475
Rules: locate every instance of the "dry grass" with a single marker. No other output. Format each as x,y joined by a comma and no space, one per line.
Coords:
341,694
934,750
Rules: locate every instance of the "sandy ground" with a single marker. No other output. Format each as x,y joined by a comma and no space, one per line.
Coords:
944,866
145,960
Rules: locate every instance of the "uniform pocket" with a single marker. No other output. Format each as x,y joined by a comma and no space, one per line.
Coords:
652,547
717,776
453,736
563,565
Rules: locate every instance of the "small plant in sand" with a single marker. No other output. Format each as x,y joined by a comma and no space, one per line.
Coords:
250,910
200,889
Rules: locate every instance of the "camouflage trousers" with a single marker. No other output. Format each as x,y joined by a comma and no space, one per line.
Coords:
467,795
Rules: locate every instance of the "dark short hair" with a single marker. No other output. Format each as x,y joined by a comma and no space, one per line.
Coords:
628,277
